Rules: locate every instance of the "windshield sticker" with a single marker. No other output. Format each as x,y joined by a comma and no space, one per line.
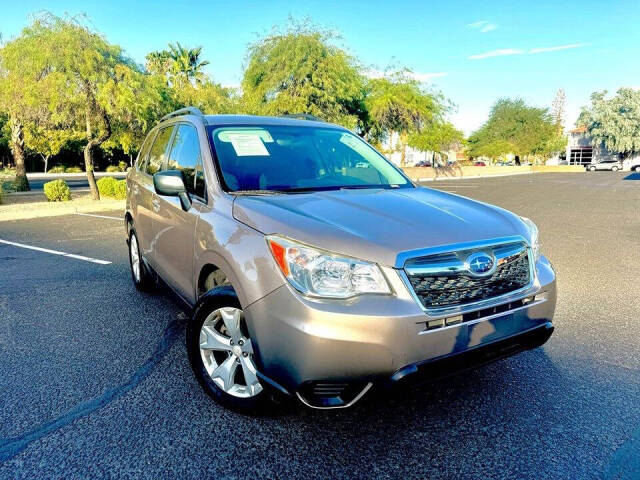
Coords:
225,135
248,145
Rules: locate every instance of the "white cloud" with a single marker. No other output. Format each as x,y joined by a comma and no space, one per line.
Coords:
483,25
559,47
425,77
517,51
373,73
497,53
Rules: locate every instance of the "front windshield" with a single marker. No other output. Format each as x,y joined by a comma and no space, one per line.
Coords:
290,158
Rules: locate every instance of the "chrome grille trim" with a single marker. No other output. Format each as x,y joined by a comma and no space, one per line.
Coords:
505,248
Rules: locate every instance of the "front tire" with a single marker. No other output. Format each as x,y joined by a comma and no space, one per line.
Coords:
592,169
221,353
614,169
140,274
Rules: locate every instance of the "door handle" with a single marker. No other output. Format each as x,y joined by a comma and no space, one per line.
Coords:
156,205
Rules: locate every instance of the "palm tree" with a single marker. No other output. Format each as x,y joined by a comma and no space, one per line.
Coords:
186,63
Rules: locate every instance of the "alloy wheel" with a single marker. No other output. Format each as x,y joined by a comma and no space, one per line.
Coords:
227,353
135,258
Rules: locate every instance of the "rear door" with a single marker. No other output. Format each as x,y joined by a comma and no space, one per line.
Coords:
175,228
148,202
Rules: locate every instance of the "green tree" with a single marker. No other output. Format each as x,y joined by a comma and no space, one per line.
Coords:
515,127
178,64
89,73
300,70
188,85
21,66
138,101
187,65
437,137
46,141
397,103
614,122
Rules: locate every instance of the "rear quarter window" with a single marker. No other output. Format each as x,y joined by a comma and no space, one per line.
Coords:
144,151
157,156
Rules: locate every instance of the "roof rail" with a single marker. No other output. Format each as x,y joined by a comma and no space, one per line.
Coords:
183,111
302,116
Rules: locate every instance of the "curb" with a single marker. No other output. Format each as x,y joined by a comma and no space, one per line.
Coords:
438,179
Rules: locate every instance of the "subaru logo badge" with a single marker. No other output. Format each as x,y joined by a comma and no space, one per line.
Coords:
481,264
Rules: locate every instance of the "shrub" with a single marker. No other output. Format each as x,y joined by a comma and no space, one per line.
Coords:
57,169
21,184
120,190
112,169
106,186
57,191
8,172
73,170
1,193
122,166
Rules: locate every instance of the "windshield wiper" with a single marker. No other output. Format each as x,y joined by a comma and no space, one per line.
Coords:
258,192
356,187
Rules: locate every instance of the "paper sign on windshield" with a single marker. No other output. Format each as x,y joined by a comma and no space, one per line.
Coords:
248,145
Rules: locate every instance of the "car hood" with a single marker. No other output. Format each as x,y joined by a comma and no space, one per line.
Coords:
377,224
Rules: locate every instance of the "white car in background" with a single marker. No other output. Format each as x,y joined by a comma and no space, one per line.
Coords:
609,164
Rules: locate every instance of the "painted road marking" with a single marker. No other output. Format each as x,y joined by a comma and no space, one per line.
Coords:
56,252
100,216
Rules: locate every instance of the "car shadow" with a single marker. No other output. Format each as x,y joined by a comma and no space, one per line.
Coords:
633,176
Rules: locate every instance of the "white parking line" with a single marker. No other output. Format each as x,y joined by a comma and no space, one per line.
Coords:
56,252
99,216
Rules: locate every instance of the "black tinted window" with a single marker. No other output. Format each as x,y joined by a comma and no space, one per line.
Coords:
185,156
157,155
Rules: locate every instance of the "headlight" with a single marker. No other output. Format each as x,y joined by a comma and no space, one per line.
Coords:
533,237
324,274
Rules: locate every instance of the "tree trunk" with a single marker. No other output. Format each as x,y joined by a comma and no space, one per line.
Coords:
93,143
45,159
88,165
403,149
17,149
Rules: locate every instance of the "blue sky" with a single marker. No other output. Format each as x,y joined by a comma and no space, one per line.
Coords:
473,52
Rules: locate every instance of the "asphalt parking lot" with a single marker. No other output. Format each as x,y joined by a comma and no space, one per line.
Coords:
94,379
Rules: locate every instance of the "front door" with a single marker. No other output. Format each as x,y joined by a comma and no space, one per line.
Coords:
145,194
175,228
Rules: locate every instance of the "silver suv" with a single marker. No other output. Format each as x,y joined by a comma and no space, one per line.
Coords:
316,269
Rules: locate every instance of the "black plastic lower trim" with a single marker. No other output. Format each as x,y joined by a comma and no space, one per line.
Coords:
451,364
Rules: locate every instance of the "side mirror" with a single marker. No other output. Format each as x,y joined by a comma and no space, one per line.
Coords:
170,183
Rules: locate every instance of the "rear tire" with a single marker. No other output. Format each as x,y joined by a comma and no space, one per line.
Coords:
221,353
591,169
140,275
614,169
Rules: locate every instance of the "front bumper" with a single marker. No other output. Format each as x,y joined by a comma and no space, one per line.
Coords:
313,348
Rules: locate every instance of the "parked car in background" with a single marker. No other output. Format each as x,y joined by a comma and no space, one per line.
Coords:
424,163
479,163
312,277
609,164
634,164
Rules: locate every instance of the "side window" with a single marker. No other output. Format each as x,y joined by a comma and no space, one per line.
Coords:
157,154
144,151
185,156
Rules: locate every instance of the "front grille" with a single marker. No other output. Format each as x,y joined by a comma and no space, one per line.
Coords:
452,285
